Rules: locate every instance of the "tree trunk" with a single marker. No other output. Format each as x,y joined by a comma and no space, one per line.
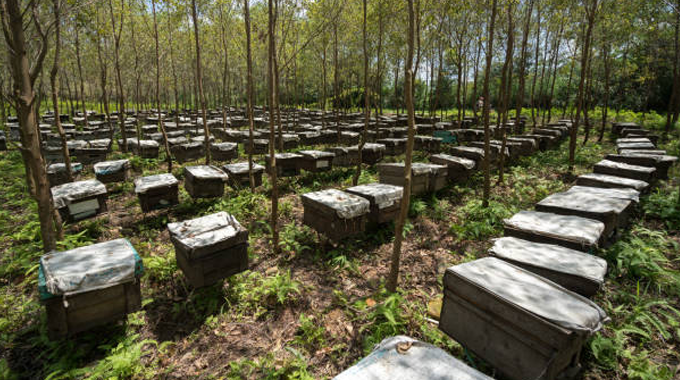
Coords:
367,108
54,83
168,154
272,154
506,87
522,62
199,79
533,80
80,74
119,79
393,277
487,75
676,78
249,91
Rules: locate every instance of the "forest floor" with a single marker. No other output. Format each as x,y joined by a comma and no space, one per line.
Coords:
315,309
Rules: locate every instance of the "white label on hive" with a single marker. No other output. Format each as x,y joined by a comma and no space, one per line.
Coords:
82,207
322,164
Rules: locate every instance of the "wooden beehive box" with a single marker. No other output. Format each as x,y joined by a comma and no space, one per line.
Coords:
569,231
344,156
90,155
613,212
457,167
425,178
577,271
524,325
428,144
204,181
239,174
472,153
260,146
225,151
316,160
210,248
335,213
89,286
371,154
290,141
79,200
157,191
112,171
660,162
385,200
527,145
393,146
190,151
619,169
56,173
147,148
349,138
287,164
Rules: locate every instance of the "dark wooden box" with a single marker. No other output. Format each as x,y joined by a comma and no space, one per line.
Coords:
458,167
661,162
287,164
611,181
371,154
315,160
260,146
385,201
239,177
188,152
620,169
569,231
157,191
112,171
393,146
79,200
89,156
204,181
335,214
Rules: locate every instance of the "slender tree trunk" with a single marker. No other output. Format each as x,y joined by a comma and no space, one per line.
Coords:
168,154
199,79
367,108
538,48
506,84
605,60
54,83
487,75
249,91
676,78
523,61
119,79
393,277
80,74
272,153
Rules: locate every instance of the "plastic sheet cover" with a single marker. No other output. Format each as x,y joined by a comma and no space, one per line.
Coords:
630,194
316,154
242,168
648,145
417,168
465,162
110,167
225,146
659,152
623,166
144,184
622,181
382,194
374,147
584,201
533,293
345,205
206,172
61,167
550,256
89,268
64,195
573,228
404,358
208,230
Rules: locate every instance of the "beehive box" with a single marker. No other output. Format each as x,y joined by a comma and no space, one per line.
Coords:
611,181
260,146
157,191
79,200
344,156
579,272
613,212
425,178
147,148
385,200
112,171
619,169
349,138
225,151
660,162
290,141
475,154
621,193
190,151
573,232
524,325
90,155
204,181
428,144
89,286
404,358
618,127
335,213
371,153
210,248
239,174
287,164
393,146
457,167
316,160
528,145
56,173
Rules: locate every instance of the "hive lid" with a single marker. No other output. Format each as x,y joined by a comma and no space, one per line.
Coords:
316,154
585,201
573,228
242,168
622,193
65,194
345,205
208,230
374,147
84,269
642,145
205,172
382,194
148,143
144,184
532,293
465,162
404,358
550,256
225,146
622,181
61,167
109,167
624,166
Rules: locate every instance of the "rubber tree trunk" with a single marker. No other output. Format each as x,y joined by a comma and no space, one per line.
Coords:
249,91
393,277
485,113
272,130
168,154
367,106
199,79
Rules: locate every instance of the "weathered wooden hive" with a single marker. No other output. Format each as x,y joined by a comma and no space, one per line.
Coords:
475,154
316,160
428,144
425,178
204,181
90,155
157,191
239,174
89,286
568,231
188,152
613,212
660,162
210,248
290,141
225,151
56,173
335,213
147,148
349,138
527,145
620,169
344,156
385,200
79,200
287,164
112,171
393,146
372,153
457,167
404,358
260,146
525,326
577,271
611,181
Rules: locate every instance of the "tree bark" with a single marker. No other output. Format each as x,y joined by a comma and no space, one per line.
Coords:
168,154
487,75
367,107
272,140
249,91
199,79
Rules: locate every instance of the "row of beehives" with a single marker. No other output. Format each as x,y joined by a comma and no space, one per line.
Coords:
340,214
525,310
